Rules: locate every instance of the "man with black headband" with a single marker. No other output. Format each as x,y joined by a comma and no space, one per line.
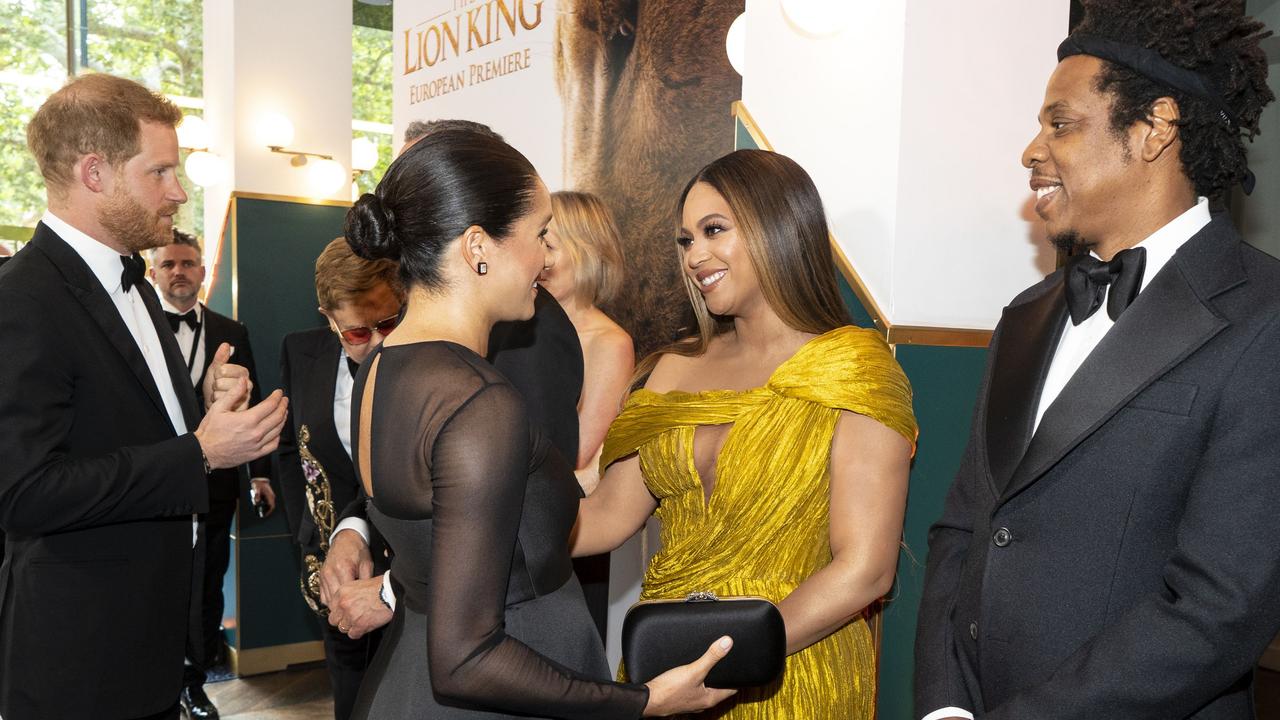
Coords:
1109,548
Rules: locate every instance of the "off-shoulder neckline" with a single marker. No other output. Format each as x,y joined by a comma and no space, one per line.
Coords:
802,350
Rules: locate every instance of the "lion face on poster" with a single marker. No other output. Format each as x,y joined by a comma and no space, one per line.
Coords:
647,90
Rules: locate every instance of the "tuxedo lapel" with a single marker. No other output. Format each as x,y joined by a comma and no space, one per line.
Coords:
86,289
321,384
1029,335
213,337
1166,323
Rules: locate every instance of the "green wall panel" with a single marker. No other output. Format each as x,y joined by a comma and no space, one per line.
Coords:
945,383
270,251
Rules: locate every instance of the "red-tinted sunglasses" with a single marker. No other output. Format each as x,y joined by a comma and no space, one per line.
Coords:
362,335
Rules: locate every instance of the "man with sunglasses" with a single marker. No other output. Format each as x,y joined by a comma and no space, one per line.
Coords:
361,300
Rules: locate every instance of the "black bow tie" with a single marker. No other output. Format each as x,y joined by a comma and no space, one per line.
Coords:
1088,278
135,269
353,367
188,317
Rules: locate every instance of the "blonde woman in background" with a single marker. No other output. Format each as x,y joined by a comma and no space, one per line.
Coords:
585,258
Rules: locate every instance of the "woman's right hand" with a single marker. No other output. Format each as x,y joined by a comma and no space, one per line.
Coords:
681,689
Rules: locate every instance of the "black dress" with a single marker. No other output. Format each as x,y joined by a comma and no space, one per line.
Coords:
490,622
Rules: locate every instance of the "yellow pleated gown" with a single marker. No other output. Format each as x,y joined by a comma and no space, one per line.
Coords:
765,527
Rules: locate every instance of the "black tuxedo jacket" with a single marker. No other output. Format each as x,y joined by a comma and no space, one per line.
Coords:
1124,560
226,485
309,374
96,497
542,358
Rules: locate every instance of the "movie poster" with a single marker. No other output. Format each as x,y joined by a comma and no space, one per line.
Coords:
622,98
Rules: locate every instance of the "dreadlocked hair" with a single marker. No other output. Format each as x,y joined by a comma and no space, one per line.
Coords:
1212,37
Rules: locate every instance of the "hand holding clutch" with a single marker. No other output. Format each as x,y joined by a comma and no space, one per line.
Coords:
683,690
659,634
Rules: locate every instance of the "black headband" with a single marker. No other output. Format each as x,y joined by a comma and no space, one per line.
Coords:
1152,65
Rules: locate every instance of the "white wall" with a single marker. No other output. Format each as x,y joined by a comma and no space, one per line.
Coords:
834,105
912,121
292,57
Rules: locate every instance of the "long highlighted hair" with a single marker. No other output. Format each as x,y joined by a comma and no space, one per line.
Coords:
780,218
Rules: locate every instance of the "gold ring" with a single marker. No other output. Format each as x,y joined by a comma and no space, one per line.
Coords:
343,628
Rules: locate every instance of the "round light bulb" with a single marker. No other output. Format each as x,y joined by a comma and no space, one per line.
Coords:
355,191
364,154
735,43
819,18
326,176
193,132
204,168
275,130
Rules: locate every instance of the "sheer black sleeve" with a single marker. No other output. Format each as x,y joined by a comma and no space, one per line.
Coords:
479,465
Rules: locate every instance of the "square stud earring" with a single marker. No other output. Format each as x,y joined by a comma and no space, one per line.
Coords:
482,268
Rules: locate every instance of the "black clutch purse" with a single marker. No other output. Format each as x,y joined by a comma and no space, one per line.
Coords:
658,635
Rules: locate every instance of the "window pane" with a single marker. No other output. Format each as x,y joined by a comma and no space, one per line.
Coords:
371,94
33,57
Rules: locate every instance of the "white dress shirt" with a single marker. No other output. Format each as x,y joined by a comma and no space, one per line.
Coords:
186,335
342,422
342,402
105,265
1078,341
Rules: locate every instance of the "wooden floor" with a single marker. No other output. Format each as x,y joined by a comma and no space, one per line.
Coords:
296,694
303,694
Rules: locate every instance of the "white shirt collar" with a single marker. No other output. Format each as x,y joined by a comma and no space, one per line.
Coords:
168,307
101,259
1163,243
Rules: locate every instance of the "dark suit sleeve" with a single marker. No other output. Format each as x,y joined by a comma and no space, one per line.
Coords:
938,680
292,483
1216,611
358,508
43,489
260,468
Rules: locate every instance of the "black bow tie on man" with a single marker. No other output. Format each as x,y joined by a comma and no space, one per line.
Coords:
176,320
135,270
1088,278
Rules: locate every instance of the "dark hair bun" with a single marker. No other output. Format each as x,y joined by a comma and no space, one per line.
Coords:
370,230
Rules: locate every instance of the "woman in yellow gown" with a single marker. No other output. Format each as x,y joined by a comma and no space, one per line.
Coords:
774,445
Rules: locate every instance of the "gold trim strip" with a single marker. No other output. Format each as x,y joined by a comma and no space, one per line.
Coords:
748,122
235,258
938,336
290,198
275,658
894,334
860,290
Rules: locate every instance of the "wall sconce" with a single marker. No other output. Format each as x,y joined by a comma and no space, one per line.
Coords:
735,43
819,18
364,155
203,167
275,131
324,176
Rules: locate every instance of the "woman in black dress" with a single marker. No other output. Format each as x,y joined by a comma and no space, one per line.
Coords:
477,507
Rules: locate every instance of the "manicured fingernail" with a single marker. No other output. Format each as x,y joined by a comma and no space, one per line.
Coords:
726,642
